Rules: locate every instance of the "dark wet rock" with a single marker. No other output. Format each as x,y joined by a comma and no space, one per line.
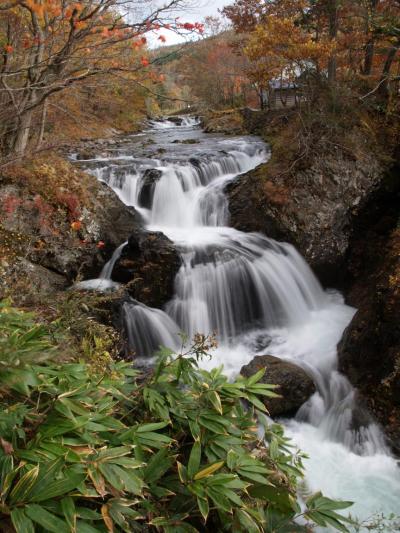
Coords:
148,264
52,244
186,141
195,161
361,417
150,177
176,120
369,352
295,385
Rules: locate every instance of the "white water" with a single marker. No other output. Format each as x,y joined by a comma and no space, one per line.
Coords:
260,297
104,281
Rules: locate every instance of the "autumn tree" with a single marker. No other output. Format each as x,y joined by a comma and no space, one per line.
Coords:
49,46
215,73
209,72
337,40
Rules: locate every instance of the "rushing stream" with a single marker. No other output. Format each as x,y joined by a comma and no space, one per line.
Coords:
259,295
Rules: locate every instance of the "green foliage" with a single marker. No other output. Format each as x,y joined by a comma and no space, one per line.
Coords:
176,450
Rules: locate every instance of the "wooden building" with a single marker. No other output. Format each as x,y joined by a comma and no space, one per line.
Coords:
281,94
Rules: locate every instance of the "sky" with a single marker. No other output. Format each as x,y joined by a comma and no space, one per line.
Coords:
196,11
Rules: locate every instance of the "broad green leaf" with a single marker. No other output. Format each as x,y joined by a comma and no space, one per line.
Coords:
257,478
144,428
256,402
23,489
194,458
203,507
158,465
111,476
107,454
69,511
322,503
219,499
214,398
21,522
58,487
247,521
215,427
84,527
255,377
182,472
132,482
48,521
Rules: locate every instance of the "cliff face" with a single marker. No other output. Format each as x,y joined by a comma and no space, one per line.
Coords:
369,352
314,210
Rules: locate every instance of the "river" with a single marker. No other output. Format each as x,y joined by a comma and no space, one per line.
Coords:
257,294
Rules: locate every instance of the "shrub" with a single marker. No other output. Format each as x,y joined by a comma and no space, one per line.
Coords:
174,449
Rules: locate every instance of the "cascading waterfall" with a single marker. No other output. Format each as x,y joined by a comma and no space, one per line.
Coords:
243,281
148,329
258,295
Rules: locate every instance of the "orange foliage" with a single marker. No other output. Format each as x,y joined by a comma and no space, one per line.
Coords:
53,45
346,39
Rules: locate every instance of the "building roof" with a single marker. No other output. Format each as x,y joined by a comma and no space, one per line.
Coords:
282,84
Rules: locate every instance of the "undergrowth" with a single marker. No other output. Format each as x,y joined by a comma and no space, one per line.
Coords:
176,449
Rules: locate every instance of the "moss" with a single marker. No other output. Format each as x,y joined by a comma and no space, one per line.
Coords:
228,121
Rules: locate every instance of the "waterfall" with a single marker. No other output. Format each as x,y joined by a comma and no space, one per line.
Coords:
147,329
249,280
104,281
258,295
108,268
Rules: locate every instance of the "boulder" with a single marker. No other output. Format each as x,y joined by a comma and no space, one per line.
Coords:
45,237
29,282
107,220
148,265
295,385
176,120
148,182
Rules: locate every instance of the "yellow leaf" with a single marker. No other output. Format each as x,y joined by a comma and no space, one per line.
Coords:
209,470
107,518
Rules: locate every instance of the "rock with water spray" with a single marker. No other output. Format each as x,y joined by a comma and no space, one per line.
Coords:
295,385
148,264
150,177
176,120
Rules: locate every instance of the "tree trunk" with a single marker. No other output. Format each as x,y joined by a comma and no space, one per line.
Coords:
42,125
19,140
369,56
333,30
261,99
384,87
370,46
